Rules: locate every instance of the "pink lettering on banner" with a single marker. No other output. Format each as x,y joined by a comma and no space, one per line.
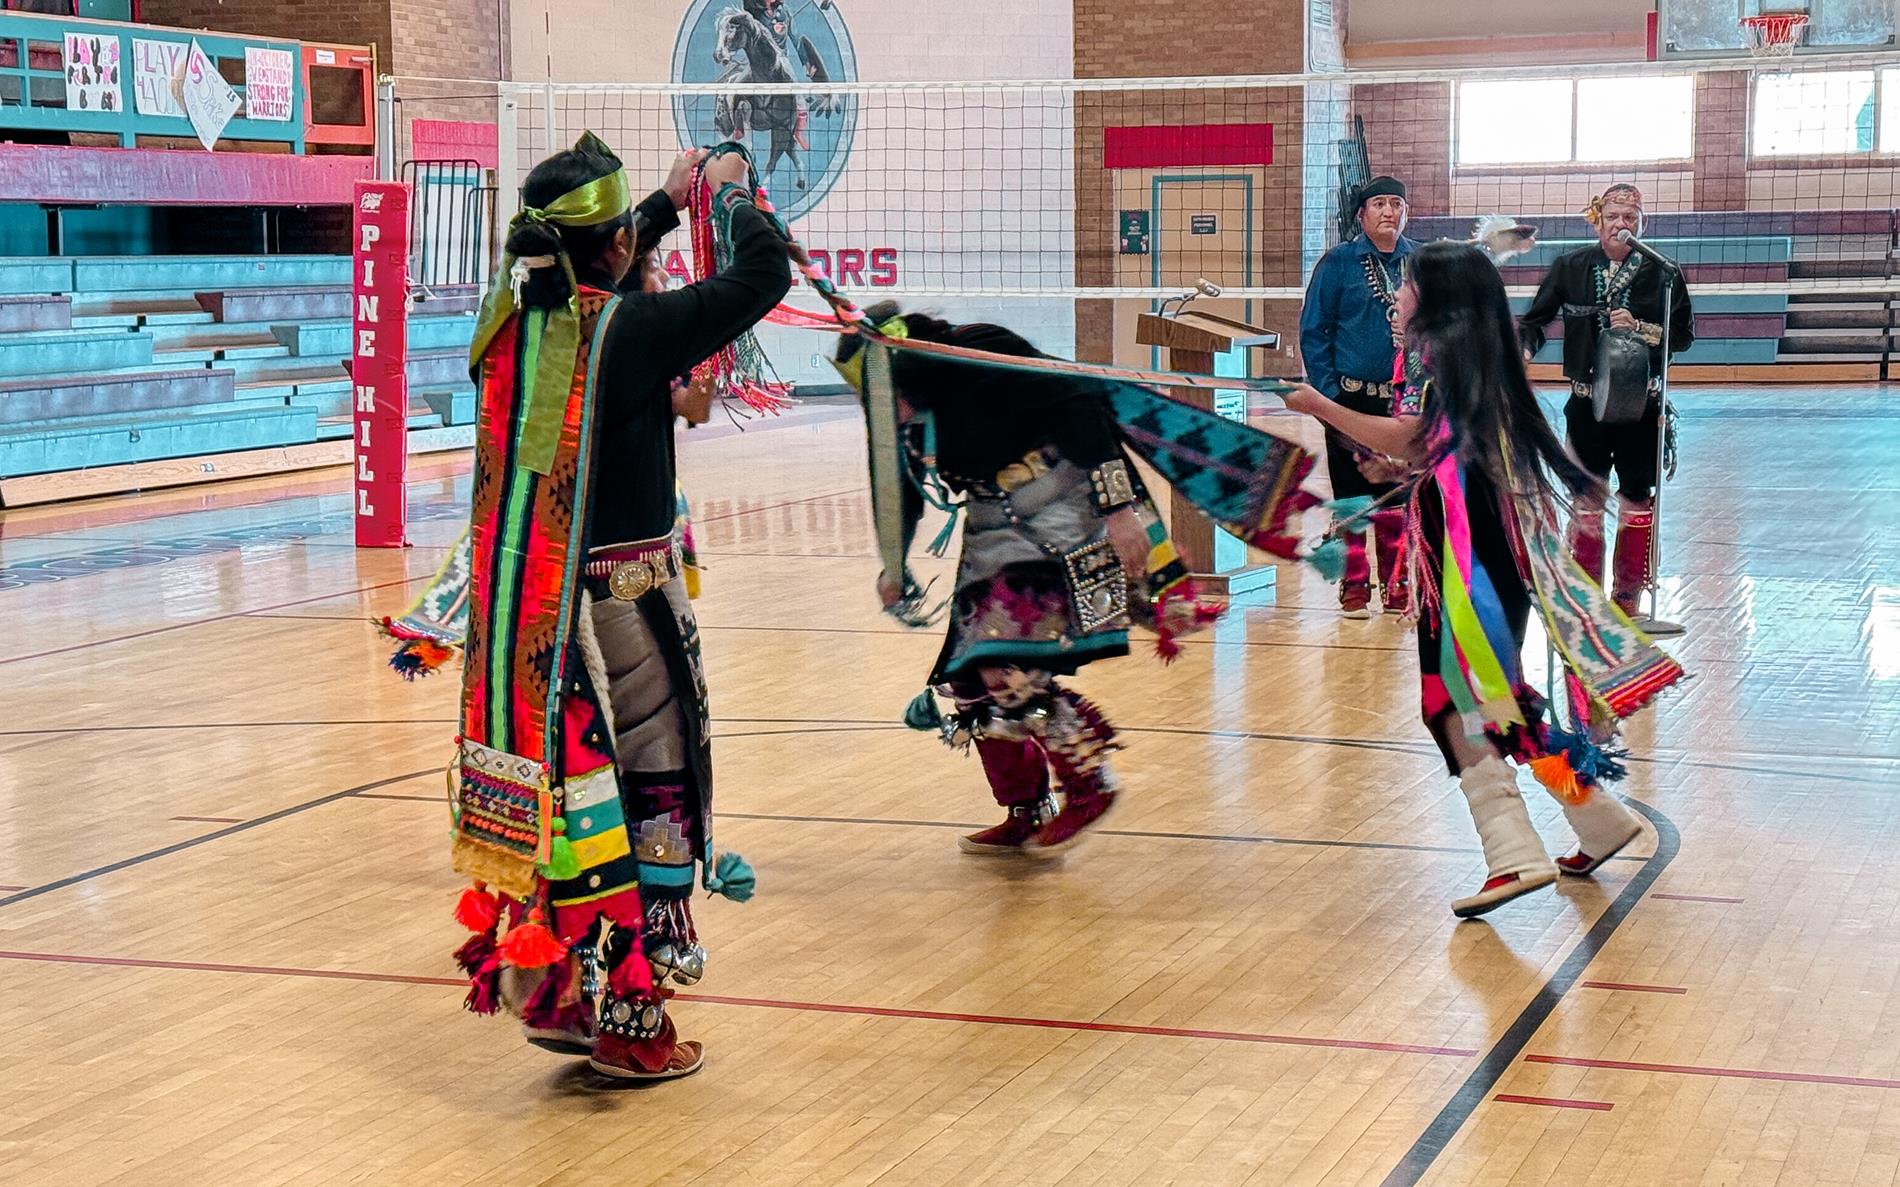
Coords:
379,360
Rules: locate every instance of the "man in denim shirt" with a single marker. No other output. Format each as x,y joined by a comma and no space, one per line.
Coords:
1348,342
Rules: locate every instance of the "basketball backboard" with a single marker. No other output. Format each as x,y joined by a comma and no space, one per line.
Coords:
1713,28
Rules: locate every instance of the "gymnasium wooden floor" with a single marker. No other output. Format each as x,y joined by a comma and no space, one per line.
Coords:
224,898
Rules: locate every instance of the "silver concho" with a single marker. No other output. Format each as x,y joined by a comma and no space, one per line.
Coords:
629,580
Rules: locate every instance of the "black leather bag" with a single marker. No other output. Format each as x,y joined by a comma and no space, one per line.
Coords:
1621,390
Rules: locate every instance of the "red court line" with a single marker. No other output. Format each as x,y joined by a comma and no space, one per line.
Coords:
766,1003
1555,1102
1732,1073
192,966
1697,898
179,626
1631,988
212,819
4,889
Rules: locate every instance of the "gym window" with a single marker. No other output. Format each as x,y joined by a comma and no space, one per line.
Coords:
1826,112
1575,121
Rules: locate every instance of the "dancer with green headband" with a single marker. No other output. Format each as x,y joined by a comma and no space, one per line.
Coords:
583,783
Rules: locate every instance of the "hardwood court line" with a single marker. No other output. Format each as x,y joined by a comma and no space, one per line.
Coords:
1554,1102
1628,987
216,834
770,1003
1498,1060
836,494
1146,834
839,630
214,725
1414,747
966,826
450,466
1698,898
1732,1073
196,622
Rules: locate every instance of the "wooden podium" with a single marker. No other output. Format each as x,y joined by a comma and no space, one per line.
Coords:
1192,338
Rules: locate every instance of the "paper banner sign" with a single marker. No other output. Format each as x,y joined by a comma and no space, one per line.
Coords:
158,70
92,72
267,84
209,100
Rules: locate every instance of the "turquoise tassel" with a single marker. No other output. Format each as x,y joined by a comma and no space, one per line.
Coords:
731,877
1329,557
1347,510
922,713
941,544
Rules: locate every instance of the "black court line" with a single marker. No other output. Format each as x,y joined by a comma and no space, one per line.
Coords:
216,618
1141,834
843,630
1491,1068
215,835
1426,749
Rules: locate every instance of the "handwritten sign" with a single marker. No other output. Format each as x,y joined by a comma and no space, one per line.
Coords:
209,100
267,84
158,70
92,73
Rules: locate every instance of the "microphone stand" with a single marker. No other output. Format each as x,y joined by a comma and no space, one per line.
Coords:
1652,623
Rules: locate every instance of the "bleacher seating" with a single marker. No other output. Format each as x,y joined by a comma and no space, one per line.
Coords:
119,361
1760,338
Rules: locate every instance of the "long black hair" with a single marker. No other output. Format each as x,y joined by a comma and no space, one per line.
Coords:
924,379
1463,331
562,173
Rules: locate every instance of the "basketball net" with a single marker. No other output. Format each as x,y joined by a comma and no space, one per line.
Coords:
1774,34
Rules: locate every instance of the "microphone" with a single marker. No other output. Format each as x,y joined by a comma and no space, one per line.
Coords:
1202,288
1645,250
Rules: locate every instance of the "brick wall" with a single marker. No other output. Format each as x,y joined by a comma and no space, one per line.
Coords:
1721,140
348,22
1188,38
1185,38
1408,135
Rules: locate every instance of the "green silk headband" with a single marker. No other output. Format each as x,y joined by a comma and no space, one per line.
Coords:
853,368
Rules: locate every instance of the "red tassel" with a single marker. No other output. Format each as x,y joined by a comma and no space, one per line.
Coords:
478,952
531,945
477,910
484,989
633,976
543,1007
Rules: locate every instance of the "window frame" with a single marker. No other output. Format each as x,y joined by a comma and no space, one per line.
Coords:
1837,159
1571,164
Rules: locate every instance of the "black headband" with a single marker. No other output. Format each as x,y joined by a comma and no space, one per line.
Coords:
1378,187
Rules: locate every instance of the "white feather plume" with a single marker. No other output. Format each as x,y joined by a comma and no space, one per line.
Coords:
1503,237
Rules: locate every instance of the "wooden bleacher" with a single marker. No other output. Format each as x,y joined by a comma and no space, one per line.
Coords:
125,373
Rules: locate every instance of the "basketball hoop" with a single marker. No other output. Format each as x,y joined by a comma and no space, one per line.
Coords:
1774,34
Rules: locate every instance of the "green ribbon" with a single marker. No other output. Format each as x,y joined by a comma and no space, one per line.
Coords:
554,341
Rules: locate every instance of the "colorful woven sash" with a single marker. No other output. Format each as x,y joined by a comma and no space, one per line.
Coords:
525,552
